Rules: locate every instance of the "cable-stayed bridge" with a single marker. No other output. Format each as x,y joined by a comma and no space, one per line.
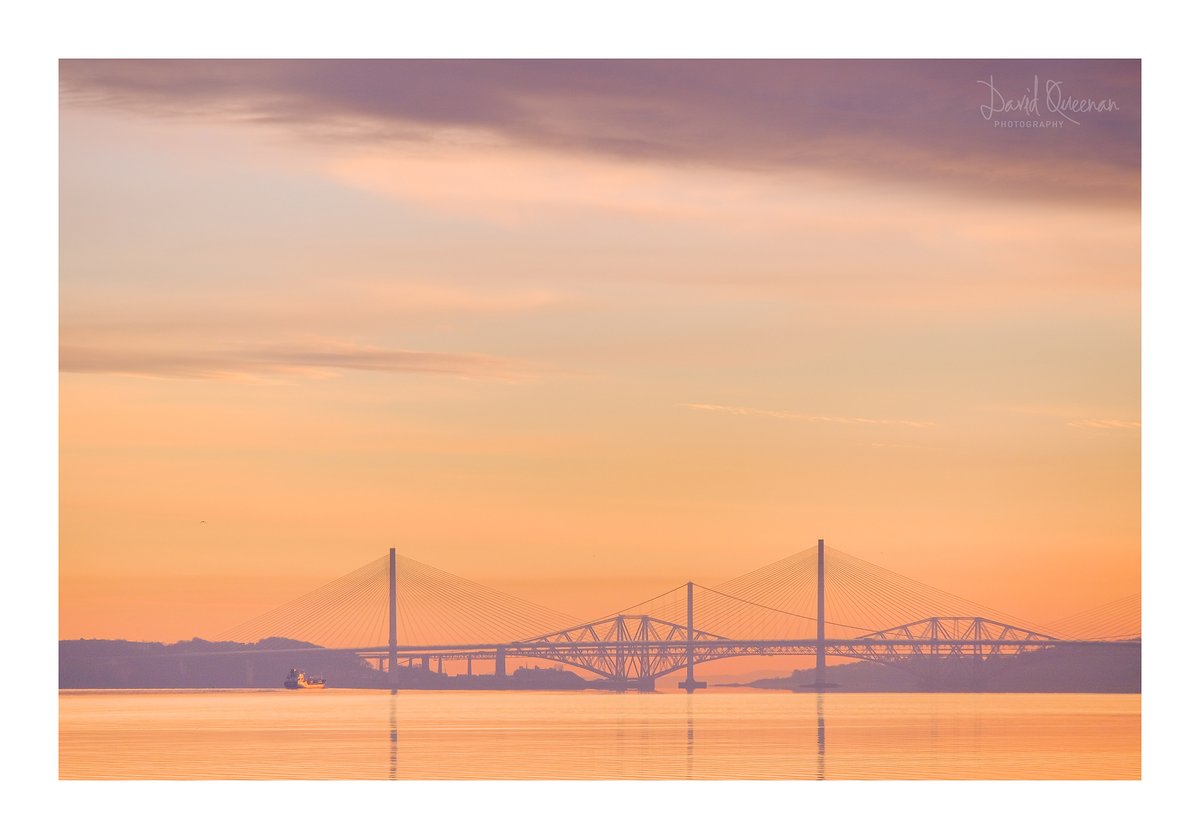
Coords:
398,612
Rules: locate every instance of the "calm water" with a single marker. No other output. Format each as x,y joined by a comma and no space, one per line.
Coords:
480,734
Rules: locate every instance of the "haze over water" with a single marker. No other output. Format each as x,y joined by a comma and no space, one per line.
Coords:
349,734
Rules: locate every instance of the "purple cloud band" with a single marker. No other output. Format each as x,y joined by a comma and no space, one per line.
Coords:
915,119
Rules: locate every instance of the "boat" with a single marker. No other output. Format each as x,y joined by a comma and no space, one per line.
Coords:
298,680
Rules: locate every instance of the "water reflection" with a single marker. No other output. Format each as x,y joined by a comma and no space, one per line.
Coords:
503,734
820,735
690,737
394,745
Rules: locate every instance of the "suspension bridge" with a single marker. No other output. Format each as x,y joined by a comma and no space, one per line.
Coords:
397,613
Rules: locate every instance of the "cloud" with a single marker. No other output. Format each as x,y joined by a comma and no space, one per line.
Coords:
258,363
879,120
1070,416
792,415
1106,424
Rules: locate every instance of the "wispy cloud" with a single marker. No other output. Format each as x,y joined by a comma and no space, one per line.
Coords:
257,363
1070,415
793,415
1105,424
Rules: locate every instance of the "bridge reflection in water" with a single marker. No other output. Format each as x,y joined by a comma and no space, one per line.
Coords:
690,737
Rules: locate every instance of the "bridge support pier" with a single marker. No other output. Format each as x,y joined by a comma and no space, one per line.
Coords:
501,665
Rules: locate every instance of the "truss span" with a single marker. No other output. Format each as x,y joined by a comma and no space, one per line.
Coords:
641,648
952,637
634,648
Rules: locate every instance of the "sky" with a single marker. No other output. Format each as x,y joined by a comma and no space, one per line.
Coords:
586,330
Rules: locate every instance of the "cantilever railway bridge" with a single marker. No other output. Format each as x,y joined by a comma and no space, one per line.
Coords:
397,612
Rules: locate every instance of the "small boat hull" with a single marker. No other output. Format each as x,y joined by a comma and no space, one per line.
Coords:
298,680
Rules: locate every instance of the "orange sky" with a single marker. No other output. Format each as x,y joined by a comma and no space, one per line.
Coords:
571,335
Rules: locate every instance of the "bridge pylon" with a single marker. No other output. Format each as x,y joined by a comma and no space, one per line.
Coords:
393,673
820,669
690,684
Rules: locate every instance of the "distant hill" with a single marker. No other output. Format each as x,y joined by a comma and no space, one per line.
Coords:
1099,670
115,664
97,663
